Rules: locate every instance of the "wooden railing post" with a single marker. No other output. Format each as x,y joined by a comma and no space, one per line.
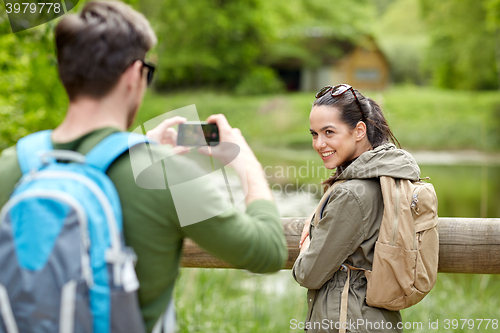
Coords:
466,245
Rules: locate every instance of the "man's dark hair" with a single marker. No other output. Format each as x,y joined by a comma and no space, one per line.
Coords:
95,47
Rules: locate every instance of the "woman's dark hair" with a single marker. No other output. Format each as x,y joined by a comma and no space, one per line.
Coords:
377,129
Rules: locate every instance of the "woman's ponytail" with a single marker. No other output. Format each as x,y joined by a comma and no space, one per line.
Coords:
378,130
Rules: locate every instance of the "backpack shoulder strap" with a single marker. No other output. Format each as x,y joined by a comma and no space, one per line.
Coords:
109,149
29,147
387,185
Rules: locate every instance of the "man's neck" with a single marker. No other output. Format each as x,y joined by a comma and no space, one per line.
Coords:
86,115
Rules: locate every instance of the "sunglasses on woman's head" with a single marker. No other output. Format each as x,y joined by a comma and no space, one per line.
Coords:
339,90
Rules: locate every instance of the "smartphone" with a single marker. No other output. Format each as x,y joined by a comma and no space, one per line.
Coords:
196,133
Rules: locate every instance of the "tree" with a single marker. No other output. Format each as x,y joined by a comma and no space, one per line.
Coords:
493,22
402,36
207,43
461,54
31,96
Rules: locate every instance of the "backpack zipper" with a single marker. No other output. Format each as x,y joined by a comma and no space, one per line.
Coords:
415,196
396,217
413,207
415,200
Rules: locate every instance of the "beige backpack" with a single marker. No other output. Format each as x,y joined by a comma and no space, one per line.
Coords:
405,261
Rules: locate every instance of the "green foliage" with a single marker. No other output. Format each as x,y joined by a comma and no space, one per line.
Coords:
4,21
32,98
451,44
461,54
260,80
382,5
402,36
493,14
426,118
208,42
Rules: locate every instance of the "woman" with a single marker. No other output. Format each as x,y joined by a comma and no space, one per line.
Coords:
350,133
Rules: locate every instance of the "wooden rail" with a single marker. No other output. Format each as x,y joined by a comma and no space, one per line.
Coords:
466,245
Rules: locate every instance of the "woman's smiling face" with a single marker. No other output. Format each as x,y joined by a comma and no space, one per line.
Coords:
334,141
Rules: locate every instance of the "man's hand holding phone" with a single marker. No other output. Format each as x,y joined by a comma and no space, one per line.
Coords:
236,153
250,171
165,134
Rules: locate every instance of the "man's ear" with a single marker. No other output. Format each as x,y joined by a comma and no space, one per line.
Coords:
360,130
133,74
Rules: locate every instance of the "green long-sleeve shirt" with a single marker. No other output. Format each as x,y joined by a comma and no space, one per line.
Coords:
252,240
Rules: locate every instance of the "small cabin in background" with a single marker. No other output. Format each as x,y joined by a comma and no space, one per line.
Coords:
361,64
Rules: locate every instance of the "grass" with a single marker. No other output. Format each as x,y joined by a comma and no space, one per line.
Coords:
215,300
212,300
459,296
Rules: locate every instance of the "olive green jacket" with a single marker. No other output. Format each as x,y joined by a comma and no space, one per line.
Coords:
347,232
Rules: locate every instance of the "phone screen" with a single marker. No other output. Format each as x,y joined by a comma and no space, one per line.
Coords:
197,134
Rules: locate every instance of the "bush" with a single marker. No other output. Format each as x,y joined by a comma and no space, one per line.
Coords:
405,57
32,98
259,81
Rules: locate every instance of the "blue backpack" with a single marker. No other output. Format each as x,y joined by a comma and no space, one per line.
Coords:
64,266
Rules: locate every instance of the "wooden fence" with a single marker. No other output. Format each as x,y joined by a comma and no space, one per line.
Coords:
466,245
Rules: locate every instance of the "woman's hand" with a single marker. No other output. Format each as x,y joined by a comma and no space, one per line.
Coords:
305,230
166,135
305,245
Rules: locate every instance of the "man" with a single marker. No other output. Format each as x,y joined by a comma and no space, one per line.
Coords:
101,56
